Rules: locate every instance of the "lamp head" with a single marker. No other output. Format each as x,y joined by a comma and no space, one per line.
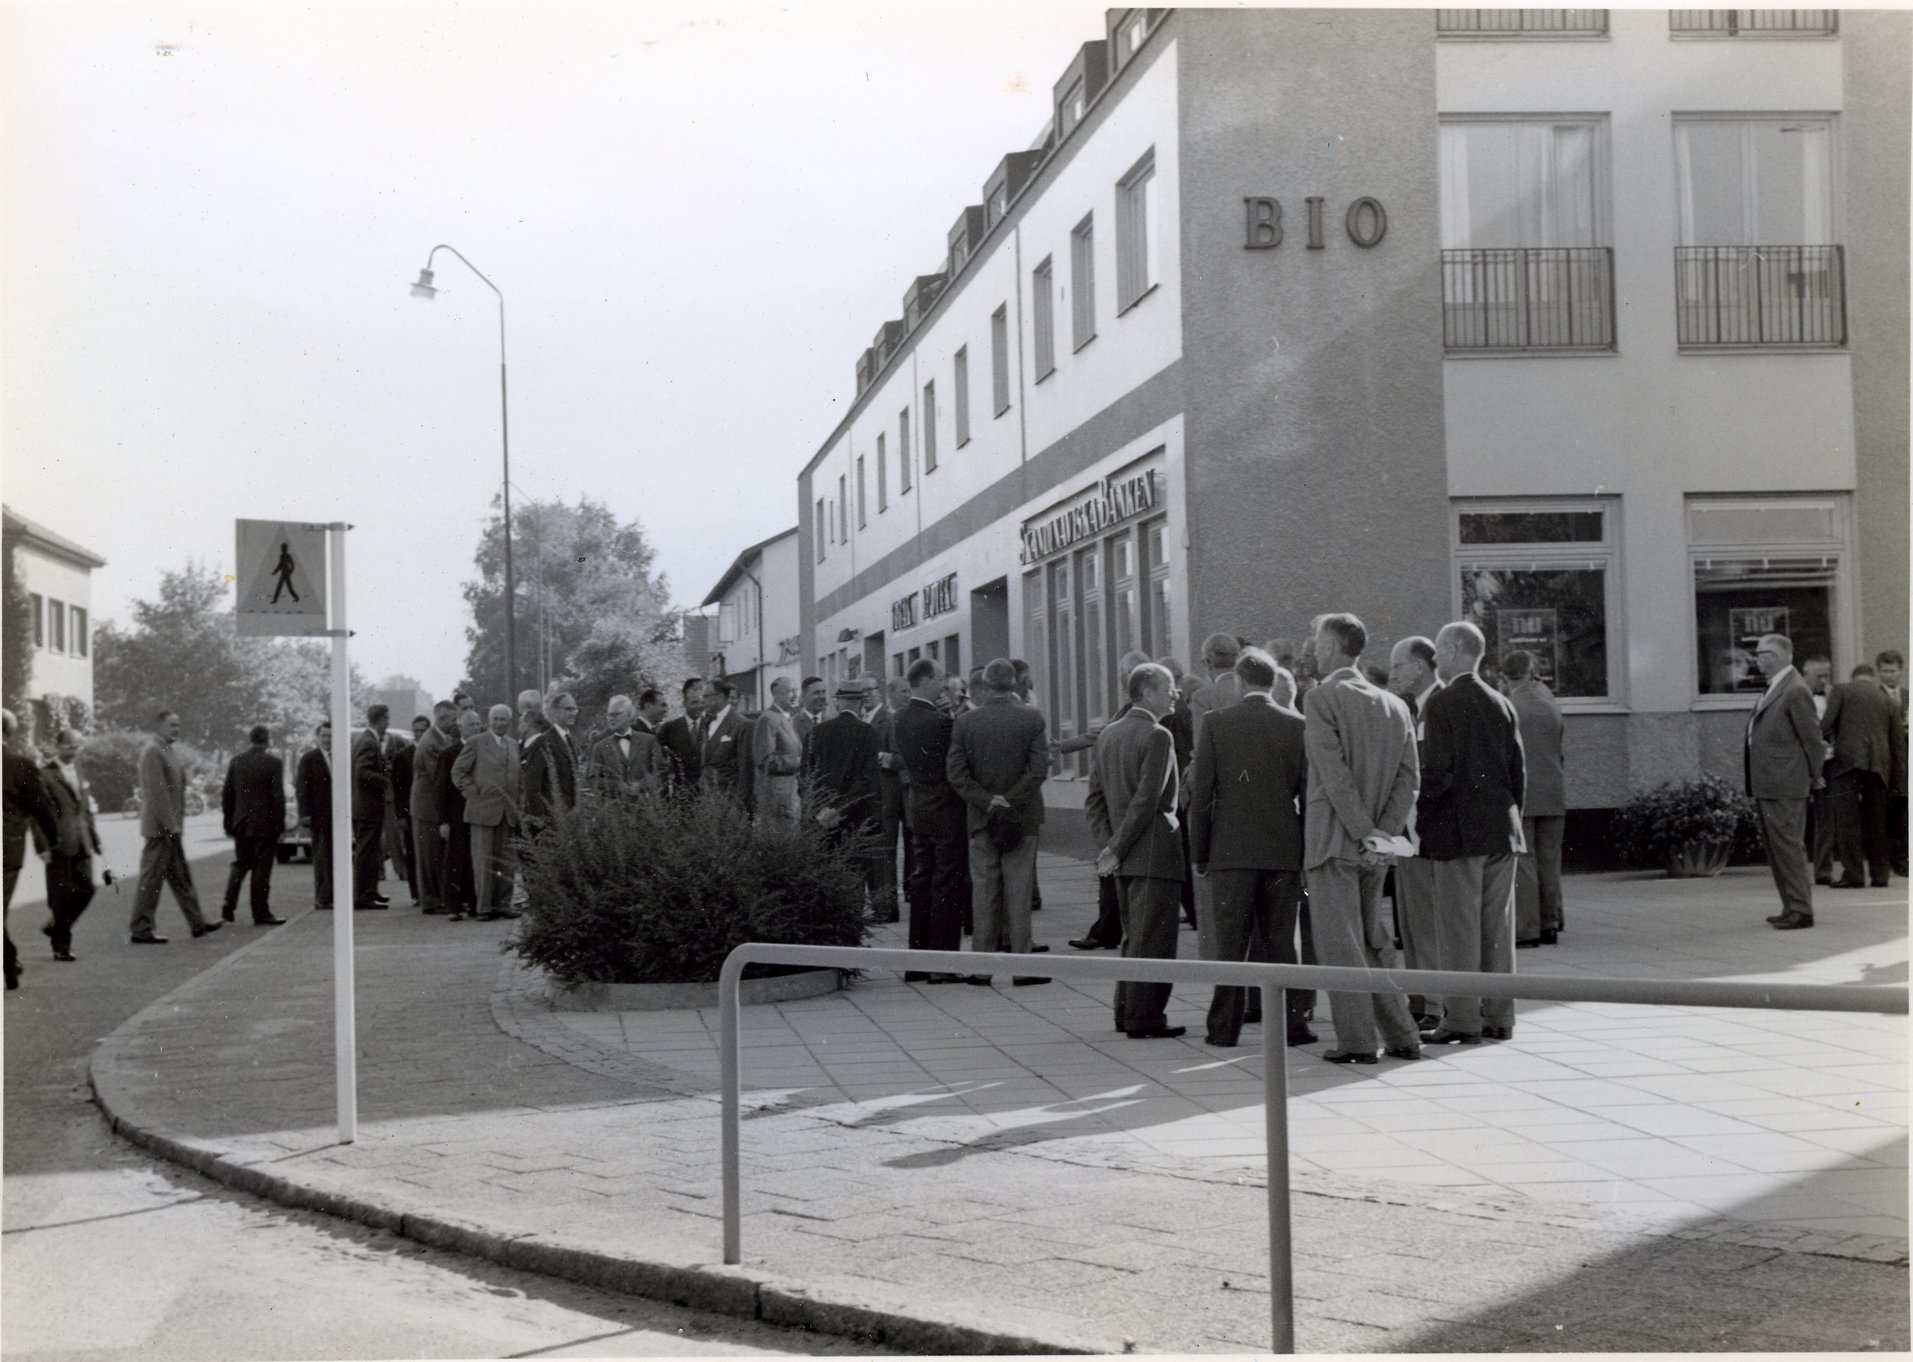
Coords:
423,288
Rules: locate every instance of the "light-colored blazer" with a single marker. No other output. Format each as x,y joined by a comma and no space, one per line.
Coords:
1363,771
777,756
611,772
425,758
1133,790
1541,733
162,791
486,773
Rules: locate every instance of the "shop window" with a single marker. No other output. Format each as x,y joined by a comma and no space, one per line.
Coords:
1036,639
1043,318
1543,577
1082,283
1125,603
930,427
1000,358
962,385
1137,221
1096,680
1155,536
1764,566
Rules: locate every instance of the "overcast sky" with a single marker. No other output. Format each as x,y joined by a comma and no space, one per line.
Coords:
699,217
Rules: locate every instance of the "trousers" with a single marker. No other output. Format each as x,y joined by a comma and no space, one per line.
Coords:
368,858
937,883
1537,883
69,889
1475,926
1000,884
428,850
1152,915
492,867
1345,901
1783,829
163,861
1858,803
1418,916
251,856
1253,917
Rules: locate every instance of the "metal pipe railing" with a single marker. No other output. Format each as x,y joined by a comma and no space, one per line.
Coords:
1274,980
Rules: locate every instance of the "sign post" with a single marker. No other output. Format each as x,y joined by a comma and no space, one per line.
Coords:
282,589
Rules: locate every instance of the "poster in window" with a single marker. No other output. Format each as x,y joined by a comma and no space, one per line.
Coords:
1746,625
1537,632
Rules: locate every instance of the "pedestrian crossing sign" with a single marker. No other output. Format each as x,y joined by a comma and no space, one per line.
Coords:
281,578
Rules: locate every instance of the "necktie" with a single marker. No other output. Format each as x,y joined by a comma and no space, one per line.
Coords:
1414,710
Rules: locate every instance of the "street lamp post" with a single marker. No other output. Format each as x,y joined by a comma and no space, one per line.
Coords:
425,289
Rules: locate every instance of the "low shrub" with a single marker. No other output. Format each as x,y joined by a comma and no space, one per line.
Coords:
660,890
1707,811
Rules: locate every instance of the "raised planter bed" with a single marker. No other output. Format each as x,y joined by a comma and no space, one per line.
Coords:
781,988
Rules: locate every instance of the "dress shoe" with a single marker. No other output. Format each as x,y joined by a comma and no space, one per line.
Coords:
1301,1035
1218,1042
1157,1033
916,976
228,915
150,940
437,910
980,980
1407,1052
65,957
1348,1057
1025,980
1450,1038
1038,950
268,921
1848,882
500,914
206,929
1781,917
1550,936
1497,1033
382,900
1527,945
1883,884
1427,1021
455,917
1090,943
1823,879
1793,922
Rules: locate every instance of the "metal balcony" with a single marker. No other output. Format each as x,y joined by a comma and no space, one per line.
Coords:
1521,23
1761,295
1753,23
1528,298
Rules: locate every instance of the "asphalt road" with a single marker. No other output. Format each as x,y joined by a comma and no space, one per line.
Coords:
106,1253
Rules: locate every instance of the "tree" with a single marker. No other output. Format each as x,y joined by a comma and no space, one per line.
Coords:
590,611
16,633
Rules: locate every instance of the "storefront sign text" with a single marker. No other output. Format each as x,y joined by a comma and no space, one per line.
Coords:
936,598
1366,223
1105,504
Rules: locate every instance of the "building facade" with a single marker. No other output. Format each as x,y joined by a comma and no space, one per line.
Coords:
755,631
58,576
1588,326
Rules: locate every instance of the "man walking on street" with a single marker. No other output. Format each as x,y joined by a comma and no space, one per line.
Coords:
427,843
253,805
487,773
371,787
162,822
1362,782
999,755
922,734
1863,725
26,803
1784,751
1537,885
1473,779
313,787
69,866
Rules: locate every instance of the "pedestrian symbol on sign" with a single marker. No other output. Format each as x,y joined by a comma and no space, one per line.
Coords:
281,578
284,573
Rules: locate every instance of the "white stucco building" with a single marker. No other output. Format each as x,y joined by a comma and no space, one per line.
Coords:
58,576
754,636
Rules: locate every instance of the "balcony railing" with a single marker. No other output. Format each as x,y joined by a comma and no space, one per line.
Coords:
1528,298
1761,295
1753,23
1520,23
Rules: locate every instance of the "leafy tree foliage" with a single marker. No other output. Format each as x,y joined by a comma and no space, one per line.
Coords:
16,633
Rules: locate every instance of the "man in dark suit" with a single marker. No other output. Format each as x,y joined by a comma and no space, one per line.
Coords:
1411,675
720,754
371,787
681,740
879,712
1890,666
1537,880
69,866
1473,779
921,735
404,776
841,764
26,804
458,890
1133,794
811,702
253,803
551,766
313,788
999,754
1783,753
1245,835
651,711
428,844
1863,725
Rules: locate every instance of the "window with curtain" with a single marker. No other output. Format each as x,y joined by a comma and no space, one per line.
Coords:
1521,183
1754,181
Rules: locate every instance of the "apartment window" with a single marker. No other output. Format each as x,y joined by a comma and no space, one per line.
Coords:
727,622
1543,576
1082,283
903,450
1752,23
1757,262
930,427
820,529
39,618
81,643
843,512
1070,110
1000,358
883,478
1523,232
1130,34
1764,565
1136,225
56,622
963,397
863,517
1043,317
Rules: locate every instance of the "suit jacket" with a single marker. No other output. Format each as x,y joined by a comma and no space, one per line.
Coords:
1541,733
679,740
777,757
1222,693
404,773
719,757
550,773
612,769
162,791
77,838
427,753
27,804
1246,791
254,797
448,801
486,773
1864,725
1784,746
371,776
1000,748
1473,773
921,738
313,786
1363,772
1133,789
842,760
891,776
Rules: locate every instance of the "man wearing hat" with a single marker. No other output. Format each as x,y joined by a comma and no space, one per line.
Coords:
999,754
841,761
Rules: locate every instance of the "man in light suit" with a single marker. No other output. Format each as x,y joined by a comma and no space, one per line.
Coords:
681,741
253,803
1544,813
1412,677
999,755
487,774
777,756
1223,688
627,761
1245,835
69,867
1363,777
1134,791
162,822
722,732
1863,724
1468,814
427,844
1783,755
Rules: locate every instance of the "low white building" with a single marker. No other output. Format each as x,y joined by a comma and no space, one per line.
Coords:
58,576
756,638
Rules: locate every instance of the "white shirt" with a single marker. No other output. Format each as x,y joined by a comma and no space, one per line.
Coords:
716,719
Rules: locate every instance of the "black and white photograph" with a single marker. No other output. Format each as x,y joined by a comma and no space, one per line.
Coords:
698,680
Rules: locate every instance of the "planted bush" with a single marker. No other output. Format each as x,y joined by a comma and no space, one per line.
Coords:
1689,827
660,890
